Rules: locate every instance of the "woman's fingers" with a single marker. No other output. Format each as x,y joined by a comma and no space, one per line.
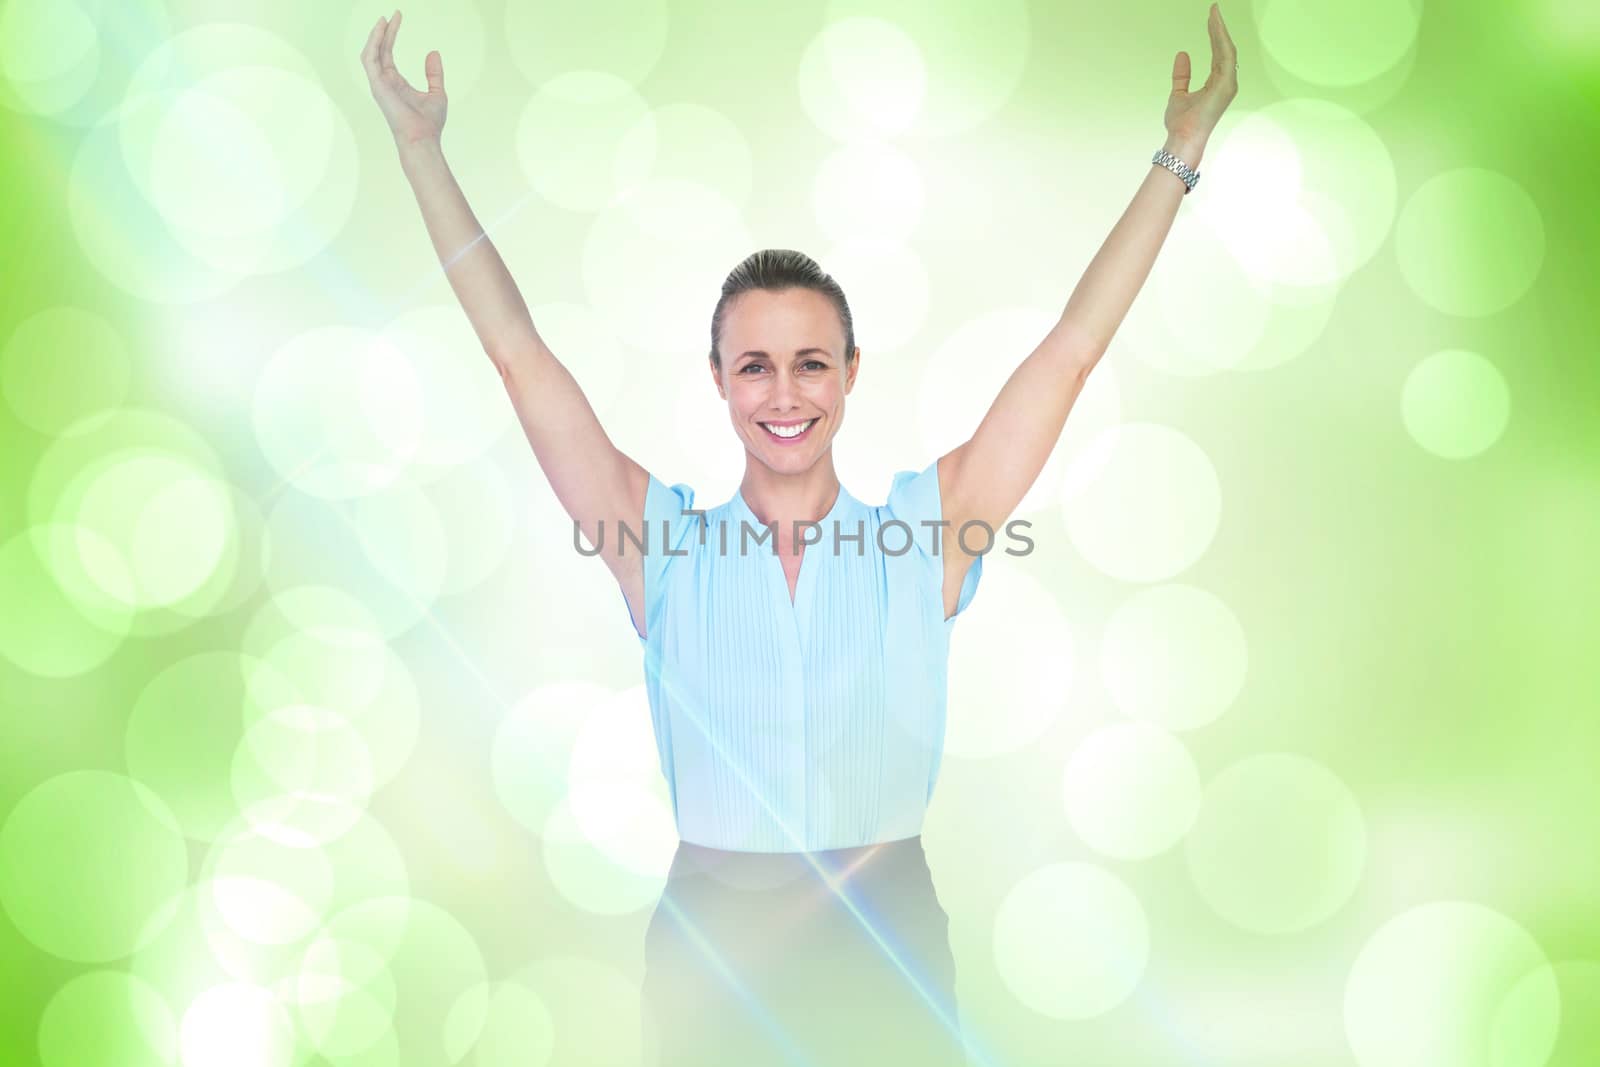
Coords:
1223,54
386,55
386,49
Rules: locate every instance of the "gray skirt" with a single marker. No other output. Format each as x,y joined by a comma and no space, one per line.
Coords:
822,958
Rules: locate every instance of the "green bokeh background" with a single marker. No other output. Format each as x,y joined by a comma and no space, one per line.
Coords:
1394,855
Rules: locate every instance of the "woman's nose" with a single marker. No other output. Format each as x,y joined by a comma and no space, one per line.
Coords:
783,390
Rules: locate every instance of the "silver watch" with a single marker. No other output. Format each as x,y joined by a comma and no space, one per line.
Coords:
1178,167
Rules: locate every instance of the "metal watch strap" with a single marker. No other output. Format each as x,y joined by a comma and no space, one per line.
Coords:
1178,167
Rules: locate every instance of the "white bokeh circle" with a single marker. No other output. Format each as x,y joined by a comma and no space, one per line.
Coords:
1151,510
1174,655
1071,941
1131,791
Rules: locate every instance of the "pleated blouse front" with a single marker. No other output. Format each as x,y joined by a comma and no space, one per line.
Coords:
806,725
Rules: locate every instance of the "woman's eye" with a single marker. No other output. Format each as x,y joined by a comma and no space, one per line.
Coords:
748,367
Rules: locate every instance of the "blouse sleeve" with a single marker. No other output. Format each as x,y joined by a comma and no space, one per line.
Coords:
914,499
664,510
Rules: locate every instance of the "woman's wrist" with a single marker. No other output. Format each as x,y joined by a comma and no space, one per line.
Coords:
419,151
1188,149
422,162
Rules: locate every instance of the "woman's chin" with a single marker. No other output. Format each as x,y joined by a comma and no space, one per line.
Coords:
788,460
776,446
799,456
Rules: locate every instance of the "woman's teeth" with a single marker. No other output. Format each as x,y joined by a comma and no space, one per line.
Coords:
789,431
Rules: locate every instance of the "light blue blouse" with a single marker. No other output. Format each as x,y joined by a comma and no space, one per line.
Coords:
806,725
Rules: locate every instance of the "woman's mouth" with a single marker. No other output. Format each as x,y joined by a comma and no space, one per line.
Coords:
790,433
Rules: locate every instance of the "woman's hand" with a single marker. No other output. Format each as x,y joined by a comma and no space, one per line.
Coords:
1190,116
413,116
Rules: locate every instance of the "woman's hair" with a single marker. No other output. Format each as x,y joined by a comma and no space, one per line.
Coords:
778,269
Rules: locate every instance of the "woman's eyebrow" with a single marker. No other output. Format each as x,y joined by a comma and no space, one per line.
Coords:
798,352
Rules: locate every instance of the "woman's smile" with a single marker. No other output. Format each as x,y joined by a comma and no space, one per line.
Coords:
791,432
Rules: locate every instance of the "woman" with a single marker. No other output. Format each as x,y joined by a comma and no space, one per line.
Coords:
797,696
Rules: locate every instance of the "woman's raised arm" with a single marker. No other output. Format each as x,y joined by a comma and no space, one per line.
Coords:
985,477
593,479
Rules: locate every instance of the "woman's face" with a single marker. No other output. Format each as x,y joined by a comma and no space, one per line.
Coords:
782,362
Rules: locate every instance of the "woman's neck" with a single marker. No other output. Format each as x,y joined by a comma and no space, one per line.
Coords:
790,498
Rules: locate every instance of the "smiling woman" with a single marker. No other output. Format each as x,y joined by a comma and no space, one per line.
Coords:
798,696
